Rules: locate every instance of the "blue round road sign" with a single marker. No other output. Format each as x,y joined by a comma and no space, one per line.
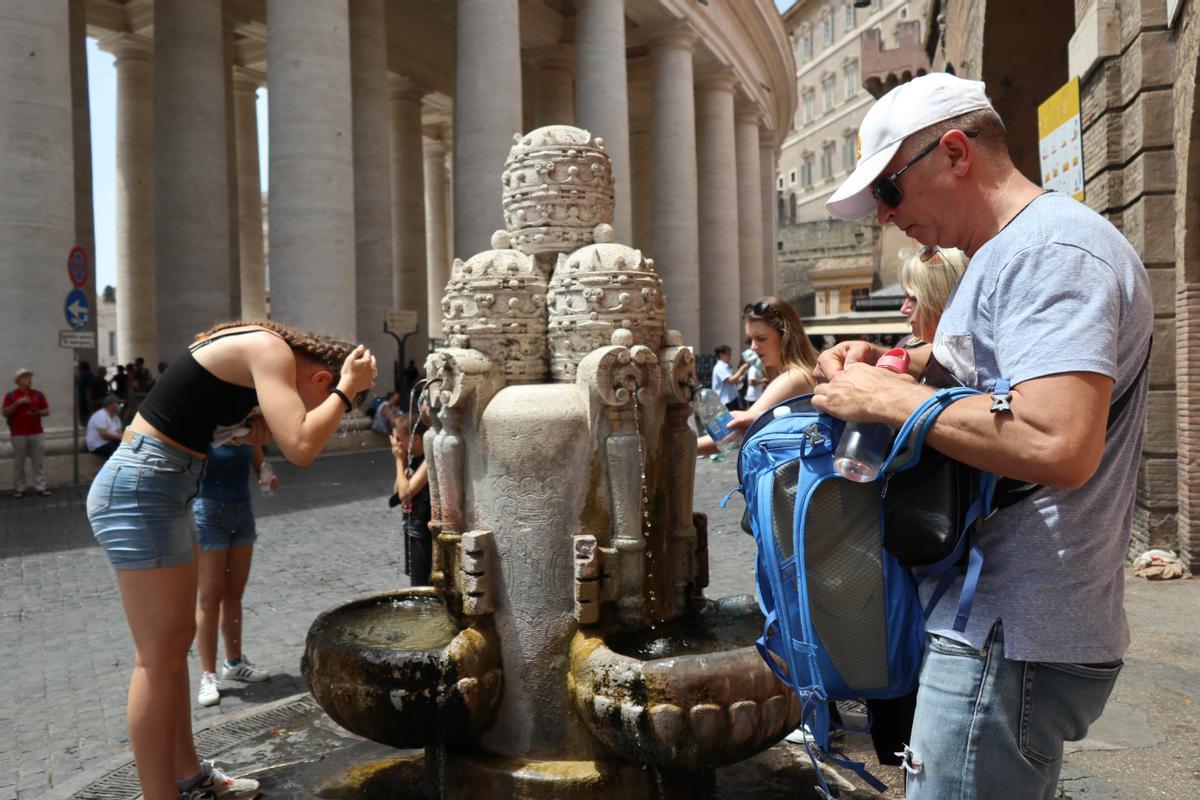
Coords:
76,309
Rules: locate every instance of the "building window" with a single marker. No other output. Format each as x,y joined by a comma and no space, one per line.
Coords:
827,30
782,211
904,11
779,182
805,46
791,178
792,209
850,78
809,106
827,161
806,172
848,17
849,148
827,90
112,343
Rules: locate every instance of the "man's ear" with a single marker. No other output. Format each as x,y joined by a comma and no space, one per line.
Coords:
322,377
961,153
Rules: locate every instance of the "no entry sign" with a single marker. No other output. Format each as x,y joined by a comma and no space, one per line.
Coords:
77,267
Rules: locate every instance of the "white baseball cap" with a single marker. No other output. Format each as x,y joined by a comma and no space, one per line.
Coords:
903,111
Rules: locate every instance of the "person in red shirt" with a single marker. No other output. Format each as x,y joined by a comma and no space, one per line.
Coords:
23,409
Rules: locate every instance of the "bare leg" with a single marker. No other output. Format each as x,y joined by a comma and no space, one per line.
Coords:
186,759
208,606
160,609
237,572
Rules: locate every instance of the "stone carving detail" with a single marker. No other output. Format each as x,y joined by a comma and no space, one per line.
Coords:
595,291
477,571
588,572
678,369
558,186
495,303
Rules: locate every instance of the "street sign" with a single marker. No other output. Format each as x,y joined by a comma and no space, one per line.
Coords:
83,340
400,321
77,267
76,309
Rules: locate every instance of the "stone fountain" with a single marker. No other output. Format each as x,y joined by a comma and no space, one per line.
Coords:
565,648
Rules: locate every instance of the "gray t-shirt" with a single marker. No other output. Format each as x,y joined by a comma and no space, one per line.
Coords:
1058,290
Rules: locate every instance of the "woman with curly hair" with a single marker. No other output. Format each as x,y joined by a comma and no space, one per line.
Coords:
138,507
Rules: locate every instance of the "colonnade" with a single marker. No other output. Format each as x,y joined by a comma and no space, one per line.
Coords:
362,214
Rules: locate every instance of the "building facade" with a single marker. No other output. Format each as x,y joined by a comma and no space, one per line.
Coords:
389,127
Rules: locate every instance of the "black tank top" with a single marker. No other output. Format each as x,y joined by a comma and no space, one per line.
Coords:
188,402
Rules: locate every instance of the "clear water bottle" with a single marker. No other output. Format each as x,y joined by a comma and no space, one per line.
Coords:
266,474
865,445
751,357
715,418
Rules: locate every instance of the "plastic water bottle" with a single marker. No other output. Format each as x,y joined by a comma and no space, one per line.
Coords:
865,445
751,357
716,417
265,475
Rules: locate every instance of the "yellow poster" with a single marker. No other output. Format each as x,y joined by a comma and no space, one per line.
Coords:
1060,141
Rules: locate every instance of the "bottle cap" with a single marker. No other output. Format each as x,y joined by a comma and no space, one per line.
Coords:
895,360
780,411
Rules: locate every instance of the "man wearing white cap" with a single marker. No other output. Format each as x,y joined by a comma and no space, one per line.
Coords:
1057,303
23,409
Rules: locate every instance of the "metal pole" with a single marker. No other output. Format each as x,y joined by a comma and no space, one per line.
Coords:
75,415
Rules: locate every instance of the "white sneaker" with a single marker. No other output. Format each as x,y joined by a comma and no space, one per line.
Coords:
244,671
224,787
210,689
801,735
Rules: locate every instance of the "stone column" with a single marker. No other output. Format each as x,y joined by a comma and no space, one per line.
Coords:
232,185
602,94
642,187
372,182
768,161
716,155
554,86
437,254
408,213
674,231
137,322
85,222
311,205
37,202
191,187
487,112
749,200
252,277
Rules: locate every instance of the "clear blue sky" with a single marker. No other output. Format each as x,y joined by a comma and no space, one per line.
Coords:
102,96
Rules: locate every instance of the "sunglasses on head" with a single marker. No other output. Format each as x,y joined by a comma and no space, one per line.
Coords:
887,191
760,309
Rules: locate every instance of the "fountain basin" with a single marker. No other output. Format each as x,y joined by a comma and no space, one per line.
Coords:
691,694
399,669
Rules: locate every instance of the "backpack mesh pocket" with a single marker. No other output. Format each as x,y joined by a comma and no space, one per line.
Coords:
844,572
783,508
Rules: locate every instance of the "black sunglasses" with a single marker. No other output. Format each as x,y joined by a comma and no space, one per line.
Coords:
887,191
760,309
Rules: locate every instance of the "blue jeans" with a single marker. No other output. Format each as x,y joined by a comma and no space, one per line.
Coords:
990,727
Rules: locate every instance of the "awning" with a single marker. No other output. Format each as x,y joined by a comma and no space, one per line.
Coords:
841,327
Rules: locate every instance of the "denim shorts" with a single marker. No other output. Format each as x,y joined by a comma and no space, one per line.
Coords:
139,504
221,524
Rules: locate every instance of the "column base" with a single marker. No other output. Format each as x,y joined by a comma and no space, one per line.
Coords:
463,775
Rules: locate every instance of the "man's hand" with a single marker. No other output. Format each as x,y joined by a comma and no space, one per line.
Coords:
23,400
837,358
399,448
862,393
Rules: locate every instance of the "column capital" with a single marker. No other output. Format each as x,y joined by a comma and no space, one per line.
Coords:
128,46
555,56
748,114
674,35
247,80
402,87
719,79
434,148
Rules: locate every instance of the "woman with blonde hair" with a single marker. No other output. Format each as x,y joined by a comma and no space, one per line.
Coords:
928,279
138,506
777,337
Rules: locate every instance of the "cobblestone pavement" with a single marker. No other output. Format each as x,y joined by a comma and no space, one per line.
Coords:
327,535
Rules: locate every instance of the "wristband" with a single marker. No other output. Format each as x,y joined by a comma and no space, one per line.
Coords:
345,400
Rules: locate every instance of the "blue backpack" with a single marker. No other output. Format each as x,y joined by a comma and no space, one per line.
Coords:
842,616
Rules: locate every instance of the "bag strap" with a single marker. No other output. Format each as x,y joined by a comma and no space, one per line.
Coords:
906,449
